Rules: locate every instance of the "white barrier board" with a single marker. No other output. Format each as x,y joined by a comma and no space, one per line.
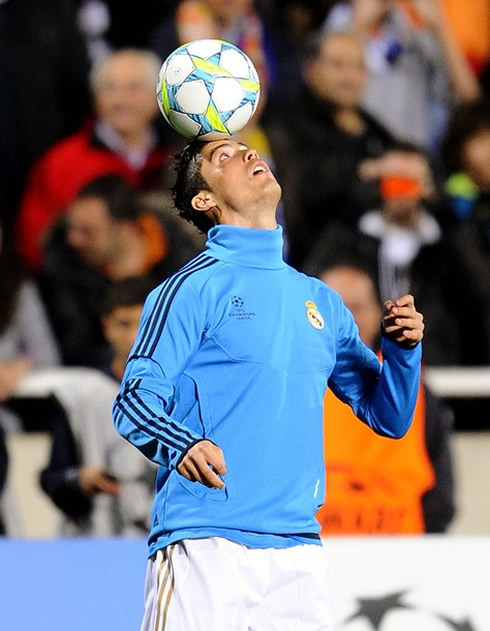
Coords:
432,583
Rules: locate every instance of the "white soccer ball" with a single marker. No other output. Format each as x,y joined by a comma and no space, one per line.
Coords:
208,89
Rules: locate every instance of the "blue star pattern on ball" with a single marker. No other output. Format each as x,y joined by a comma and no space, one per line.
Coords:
208,89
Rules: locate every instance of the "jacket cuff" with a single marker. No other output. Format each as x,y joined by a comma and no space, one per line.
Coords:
406,345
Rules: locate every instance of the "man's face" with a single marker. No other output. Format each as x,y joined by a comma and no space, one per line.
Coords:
358,293
227,10
338,75
376,9
121,327
91,231
476,157
238,179
407,179
404,212
125,94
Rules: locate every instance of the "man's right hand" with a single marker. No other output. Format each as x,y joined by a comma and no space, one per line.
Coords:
367,14
202,463
93,480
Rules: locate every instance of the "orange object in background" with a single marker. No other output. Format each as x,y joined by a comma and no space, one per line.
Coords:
470,23
399,187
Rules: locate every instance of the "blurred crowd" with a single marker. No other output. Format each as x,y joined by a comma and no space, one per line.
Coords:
374,115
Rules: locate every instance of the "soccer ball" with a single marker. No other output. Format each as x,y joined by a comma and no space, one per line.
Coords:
208,89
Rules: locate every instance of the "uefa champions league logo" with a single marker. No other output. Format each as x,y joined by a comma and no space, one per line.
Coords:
238,310
393,613
237,302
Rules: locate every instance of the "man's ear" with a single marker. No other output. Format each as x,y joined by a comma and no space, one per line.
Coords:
203,201
105,322
309,72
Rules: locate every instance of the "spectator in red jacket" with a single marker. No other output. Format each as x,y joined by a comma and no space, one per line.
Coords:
121,139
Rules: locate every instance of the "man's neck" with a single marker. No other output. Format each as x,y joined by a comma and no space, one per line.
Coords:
349,120
260,216
134,146
118,364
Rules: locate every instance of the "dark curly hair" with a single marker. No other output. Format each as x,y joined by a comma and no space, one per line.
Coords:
121,198
126,292
467,120
188,183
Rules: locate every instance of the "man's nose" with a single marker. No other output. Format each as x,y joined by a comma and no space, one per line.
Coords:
250,154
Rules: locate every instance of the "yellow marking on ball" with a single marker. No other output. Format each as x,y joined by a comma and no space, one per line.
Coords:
213,117
165,102
249,85
210,68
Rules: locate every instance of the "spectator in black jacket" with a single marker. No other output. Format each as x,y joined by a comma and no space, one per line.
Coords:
467,225
323,141
108,234
403,245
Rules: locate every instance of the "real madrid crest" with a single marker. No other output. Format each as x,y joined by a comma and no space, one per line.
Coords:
315,318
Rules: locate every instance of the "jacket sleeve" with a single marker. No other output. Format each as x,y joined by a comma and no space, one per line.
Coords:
59,479
382,395
171,329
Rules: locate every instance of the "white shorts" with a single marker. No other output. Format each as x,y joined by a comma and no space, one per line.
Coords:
217,585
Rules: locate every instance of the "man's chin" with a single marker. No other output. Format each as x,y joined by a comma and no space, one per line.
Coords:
270,198
275,190
88,259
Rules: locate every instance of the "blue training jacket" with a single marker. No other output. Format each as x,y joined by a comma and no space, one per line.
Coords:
238,347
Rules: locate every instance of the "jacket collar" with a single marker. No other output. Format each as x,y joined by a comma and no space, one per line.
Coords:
249,247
